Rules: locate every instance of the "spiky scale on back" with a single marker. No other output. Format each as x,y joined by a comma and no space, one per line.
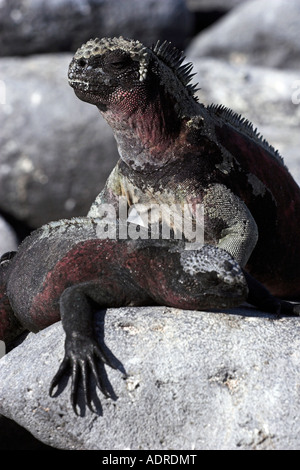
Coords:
174,58
243,125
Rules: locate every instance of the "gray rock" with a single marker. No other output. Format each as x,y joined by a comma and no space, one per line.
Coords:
196,380
56,151
8,238
267,97
63,25
260,33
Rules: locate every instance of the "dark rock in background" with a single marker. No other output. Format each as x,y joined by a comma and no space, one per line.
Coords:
63,25
206,12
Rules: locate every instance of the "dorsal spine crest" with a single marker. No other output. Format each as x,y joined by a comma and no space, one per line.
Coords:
245,126
174,58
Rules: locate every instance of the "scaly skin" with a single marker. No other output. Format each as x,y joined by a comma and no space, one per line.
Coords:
173,151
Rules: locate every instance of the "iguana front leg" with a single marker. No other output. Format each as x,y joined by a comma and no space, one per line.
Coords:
237,230
84,356
238,236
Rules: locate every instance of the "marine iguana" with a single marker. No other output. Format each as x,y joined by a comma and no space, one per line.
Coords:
173,151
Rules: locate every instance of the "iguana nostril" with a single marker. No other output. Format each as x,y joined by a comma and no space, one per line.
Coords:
81,62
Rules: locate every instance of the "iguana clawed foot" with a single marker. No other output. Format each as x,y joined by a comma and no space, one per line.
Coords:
84,359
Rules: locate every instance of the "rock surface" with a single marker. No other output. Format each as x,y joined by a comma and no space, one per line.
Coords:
259,33
56,151
195,381
63,25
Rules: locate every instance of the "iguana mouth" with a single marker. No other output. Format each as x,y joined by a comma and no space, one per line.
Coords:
83,90
79,84
85,95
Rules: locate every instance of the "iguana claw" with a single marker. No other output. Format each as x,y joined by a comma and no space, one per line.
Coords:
84,359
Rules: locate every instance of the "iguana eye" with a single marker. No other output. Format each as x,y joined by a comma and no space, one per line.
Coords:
118,64
118,61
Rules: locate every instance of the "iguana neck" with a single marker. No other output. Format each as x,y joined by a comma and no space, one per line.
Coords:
146,135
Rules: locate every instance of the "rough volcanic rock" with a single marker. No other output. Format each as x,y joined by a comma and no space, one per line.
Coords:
195,380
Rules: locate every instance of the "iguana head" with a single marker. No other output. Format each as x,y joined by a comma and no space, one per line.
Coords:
142,92
114,71
105,71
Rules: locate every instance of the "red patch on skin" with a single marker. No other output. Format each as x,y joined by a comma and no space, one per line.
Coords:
155,274
87,261
106,260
